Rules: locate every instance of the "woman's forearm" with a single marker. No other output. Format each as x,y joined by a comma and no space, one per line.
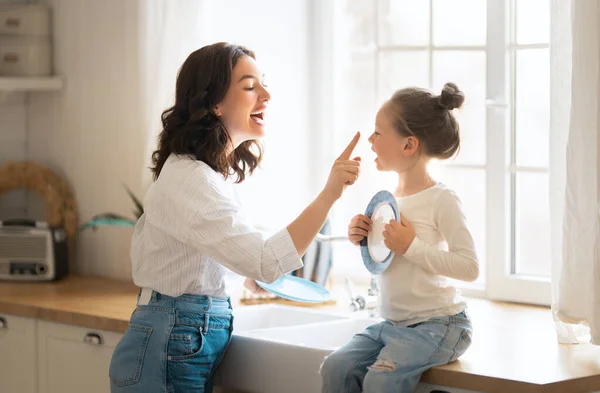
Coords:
308,224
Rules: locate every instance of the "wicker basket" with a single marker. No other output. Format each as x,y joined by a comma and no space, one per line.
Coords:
61,210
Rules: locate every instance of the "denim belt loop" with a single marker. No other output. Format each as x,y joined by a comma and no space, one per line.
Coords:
206,322
145,296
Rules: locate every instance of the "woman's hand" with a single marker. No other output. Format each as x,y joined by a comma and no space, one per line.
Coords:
359,228
398,236
253,287
344,172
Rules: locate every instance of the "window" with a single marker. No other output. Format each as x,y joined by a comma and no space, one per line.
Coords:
497,51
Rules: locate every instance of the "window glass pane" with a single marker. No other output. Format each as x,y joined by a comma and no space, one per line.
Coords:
357,23
533,21
468,70
399,69
532,224
533,107
469,185
355,104
403,22
459,22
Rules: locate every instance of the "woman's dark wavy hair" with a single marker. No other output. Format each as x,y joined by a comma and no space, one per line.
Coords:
191,128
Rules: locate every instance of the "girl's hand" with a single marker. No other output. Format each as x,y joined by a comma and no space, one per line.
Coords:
398,236
253,287
344,172
359,228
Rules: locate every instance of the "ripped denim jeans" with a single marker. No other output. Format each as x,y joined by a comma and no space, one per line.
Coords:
387,358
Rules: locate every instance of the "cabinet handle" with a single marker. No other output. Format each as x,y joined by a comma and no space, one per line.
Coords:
12,22
92,339
11,58
3,324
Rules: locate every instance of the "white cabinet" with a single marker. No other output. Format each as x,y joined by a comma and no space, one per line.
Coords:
74,359
18,367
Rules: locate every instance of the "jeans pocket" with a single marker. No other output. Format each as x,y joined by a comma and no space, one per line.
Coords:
128,357
185,342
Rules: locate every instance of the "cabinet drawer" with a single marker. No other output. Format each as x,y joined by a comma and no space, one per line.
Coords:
25,56
25,20
73,358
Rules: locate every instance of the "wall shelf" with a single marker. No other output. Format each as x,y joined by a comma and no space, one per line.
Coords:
30,84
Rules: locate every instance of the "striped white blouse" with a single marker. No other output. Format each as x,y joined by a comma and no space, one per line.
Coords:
193,231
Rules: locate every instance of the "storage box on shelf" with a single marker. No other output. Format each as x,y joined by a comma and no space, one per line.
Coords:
26,49
25,40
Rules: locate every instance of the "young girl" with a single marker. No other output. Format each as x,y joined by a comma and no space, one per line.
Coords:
425,320
193,231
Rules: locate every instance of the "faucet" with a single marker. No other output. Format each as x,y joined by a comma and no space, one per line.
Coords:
360,302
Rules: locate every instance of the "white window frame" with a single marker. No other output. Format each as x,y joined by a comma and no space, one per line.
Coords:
500,281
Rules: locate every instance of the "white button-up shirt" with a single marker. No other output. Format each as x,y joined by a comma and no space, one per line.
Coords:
193,232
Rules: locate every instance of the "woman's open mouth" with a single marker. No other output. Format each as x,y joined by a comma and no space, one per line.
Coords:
258,117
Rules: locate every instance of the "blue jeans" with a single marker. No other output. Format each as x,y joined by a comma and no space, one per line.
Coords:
172,345
386,358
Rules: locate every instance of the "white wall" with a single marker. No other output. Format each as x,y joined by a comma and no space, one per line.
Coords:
90,132
95,134
13,146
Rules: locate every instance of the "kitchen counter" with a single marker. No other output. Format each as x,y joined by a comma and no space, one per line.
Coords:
83,301
514,346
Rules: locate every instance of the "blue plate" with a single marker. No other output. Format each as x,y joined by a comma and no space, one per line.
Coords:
376,256
297,289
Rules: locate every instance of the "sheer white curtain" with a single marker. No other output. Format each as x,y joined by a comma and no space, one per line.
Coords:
170,31
575,168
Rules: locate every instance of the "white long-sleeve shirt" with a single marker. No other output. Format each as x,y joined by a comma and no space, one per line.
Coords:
193,232
414,287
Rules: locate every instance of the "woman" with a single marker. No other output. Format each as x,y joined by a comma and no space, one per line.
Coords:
192,230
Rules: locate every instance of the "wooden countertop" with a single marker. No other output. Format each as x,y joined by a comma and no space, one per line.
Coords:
92,302
515,349
514,346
